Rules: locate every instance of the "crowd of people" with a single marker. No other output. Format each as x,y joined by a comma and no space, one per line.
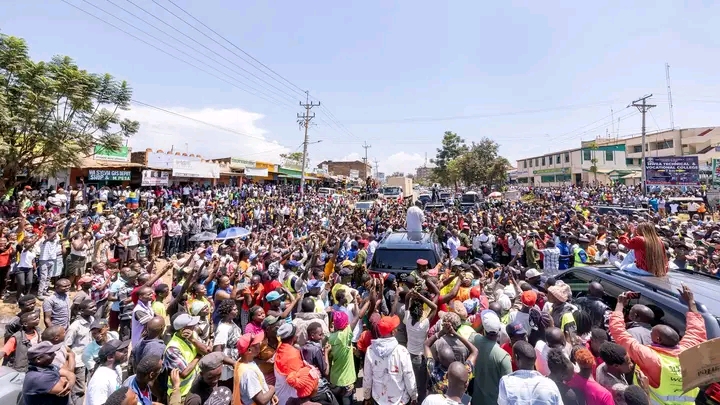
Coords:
141,302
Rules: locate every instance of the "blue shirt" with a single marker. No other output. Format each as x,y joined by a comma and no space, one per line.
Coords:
564,251
37,385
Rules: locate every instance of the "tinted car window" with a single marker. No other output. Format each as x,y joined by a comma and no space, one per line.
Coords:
578,281
399,259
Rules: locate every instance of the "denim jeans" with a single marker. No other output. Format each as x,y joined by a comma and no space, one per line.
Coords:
47,269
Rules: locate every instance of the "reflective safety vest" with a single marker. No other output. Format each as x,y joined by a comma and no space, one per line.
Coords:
188,353
670,391
578,260
289,283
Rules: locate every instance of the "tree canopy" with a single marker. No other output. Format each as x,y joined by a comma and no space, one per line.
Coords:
294,159
53,114
474,165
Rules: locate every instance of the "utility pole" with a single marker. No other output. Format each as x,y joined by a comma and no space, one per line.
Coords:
642,106
377,170
304,121
365,159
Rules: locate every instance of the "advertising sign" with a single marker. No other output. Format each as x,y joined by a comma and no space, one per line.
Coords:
237,163
155,178
165,160
120,155
559,170
672,170
716,172
354,174
203,170
272,168
109,175
254,172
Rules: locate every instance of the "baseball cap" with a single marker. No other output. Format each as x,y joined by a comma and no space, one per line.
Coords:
292,263
98,324
515,329
422,262
111,347
272,296
44,347
269,320
249,339
528,298
286,330
211,361
185,320
532,273
490,322
387,324
315,284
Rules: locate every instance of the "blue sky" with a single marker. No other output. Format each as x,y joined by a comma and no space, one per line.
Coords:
534,76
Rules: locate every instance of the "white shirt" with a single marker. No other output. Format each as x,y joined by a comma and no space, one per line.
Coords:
515,244
388,374
416,334
27,258
252,382
528,387
104,382
414,219
453,243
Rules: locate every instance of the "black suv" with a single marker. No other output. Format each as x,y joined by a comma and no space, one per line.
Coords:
399,252
659,294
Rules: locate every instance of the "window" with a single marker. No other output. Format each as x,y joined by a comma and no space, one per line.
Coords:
562,177
543,160
567,157
524,164
608,156
586,154
629,161
530,162
637,148
547,179
557,159
667,144
537,162
577,280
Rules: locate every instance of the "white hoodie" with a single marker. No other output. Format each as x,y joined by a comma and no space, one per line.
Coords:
388,375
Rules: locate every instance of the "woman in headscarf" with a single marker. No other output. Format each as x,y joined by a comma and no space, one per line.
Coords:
203,328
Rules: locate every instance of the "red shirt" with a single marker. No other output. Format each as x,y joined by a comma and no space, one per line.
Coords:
5,256
508,349
637,243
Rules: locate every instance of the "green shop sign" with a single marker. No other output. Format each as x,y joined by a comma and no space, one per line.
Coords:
120,155
109,175
563,170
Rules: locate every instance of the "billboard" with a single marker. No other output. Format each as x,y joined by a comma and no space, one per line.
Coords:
354,174
672,171
155,178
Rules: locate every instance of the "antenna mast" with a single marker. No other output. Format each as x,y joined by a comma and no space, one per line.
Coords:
670,103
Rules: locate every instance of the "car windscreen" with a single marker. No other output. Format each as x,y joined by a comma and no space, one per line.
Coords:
400,260
363,206
391,191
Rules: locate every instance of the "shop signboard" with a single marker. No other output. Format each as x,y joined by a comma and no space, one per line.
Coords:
155,178
716,173
561,170
255,172
120,155
354,174
195,169
165,160
271,167
237,163
109,175
672,171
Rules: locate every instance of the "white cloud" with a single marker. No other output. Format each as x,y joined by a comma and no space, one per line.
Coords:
350,157
401,162
161,130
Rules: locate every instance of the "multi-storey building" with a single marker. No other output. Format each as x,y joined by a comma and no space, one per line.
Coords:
616,159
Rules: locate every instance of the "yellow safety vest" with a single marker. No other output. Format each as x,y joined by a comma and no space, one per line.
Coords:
670,391
189,353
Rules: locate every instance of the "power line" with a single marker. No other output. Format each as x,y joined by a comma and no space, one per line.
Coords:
281,92
296,88
304,120
261,96
476,116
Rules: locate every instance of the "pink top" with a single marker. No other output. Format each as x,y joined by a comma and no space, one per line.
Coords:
156,230
253,329
595,394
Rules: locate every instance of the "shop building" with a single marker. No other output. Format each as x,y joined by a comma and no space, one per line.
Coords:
103,168
355,169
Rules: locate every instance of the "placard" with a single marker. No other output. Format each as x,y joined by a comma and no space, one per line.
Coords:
700,364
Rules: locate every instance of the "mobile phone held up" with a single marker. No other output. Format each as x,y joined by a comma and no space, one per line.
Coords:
632,295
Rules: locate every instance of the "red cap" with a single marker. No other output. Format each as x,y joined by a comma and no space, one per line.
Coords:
528,298
249,339
422,262
462,249
387,324
475,292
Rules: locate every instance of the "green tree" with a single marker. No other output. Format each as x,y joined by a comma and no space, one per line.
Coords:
484,165
294,159
53,114
452,147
